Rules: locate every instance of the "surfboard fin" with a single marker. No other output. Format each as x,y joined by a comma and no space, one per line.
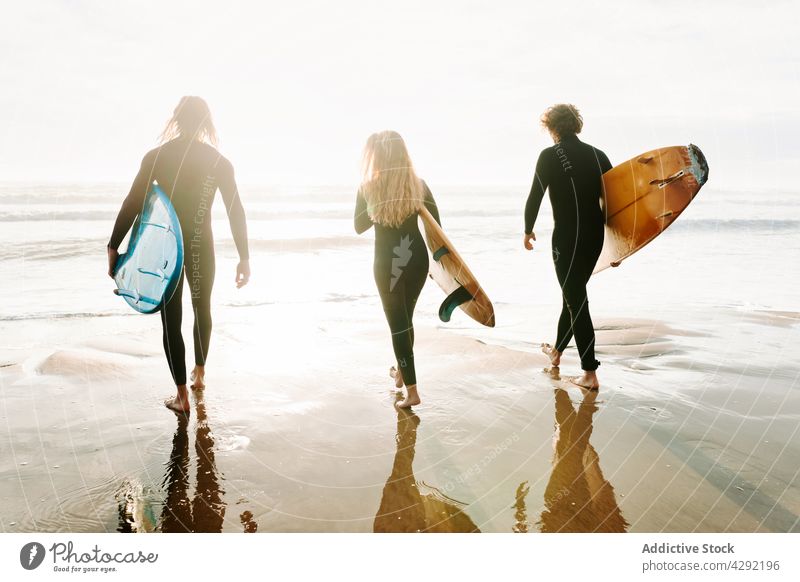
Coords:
456,298
663,182
158,225
440,252
166,227
159,273
135,296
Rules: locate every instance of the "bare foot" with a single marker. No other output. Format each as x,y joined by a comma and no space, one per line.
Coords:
411,399
198,377
397,375
553,354
179,403
588,380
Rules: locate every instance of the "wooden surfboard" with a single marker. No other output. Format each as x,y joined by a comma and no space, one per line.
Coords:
451,273
645,195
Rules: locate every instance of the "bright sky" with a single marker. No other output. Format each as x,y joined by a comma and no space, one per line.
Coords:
296,87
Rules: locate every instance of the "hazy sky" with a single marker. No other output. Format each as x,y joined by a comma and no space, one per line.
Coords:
296,87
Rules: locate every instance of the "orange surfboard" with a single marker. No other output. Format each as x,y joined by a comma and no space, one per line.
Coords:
451,273
644,195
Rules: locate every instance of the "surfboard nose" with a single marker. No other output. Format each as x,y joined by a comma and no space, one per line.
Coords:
699,164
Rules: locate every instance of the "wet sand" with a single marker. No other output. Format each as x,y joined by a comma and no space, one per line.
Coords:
296,430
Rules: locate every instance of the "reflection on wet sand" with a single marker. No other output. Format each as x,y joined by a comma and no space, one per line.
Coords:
578,498
205,512
403,507
520,510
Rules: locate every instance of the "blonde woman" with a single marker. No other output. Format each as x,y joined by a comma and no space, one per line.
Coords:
189,169
390,198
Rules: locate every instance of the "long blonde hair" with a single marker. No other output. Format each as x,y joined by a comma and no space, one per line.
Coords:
391,188
192,119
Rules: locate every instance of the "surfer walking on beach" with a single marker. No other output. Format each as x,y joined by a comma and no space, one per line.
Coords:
188,167
390,198
572,171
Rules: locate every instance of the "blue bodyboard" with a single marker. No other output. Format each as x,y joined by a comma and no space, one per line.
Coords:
147,274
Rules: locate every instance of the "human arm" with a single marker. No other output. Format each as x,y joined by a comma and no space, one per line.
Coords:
236,218
603,161
130,209
541,180
605,165
113,257
430,204
361,219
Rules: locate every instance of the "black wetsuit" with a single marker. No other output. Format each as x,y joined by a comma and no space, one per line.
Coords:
572,170
189,172
400,269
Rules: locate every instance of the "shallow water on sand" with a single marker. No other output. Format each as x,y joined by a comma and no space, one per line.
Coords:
694,429
501,447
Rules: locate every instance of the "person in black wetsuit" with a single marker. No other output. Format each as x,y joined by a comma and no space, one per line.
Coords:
390,199
189,170
572,171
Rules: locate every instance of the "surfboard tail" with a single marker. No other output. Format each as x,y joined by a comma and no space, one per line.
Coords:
699,165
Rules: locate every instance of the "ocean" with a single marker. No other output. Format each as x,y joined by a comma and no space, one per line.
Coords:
697,335
721,252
